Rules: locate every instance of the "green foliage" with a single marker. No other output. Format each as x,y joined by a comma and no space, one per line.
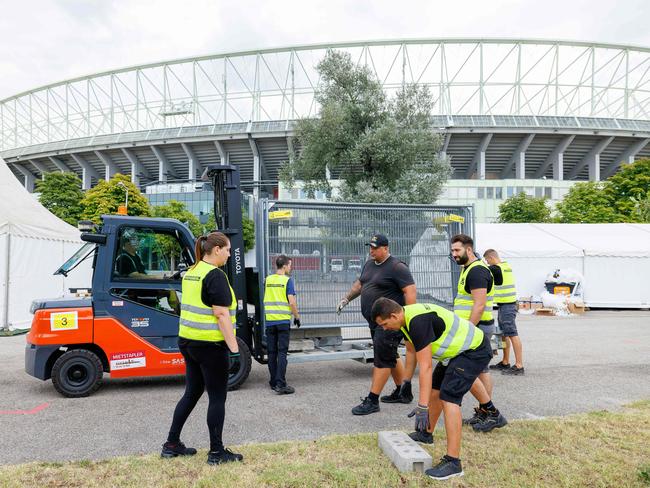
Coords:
107,196
174,209
629,186
61,194
641,212
248,229
522,208
383,150
587,203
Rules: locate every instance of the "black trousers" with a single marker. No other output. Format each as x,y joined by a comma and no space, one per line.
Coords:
277,344
207,365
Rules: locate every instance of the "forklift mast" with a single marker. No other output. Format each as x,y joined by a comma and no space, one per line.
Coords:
228,217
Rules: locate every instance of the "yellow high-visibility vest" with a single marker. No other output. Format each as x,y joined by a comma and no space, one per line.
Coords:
276,303
197,321
459,335
464,301
506,292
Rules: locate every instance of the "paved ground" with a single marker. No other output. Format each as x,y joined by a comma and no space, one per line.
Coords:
600,360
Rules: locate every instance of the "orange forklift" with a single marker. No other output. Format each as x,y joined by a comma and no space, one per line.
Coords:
128,326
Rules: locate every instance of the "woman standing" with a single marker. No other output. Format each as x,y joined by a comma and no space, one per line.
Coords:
206,334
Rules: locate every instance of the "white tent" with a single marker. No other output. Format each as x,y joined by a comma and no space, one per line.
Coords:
613,258
33,244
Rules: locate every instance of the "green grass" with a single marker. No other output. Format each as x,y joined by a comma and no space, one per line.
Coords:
598,449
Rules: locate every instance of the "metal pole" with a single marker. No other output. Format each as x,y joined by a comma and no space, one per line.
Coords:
5,321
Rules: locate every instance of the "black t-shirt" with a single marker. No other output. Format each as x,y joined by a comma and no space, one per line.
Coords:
215,289
497,274
129,263
426,328
383,280
479,277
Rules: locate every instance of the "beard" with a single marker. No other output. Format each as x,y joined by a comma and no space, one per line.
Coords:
462,260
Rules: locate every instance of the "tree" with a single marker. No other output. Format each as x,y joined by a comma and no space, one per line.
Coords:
174,209
630,185
107,196
641,212
522,208
382,150
61,194
587,202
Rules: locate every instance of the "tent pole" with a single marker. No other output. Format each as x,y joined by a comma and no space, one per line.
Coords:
5,321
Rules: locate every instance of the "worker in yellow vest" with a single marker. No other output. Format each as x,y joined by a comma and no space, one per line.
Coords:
462,352
505,297
206,336
279,305
474,300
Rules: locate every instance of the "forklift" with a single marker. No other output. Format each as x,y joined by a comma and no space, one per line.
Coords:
128,325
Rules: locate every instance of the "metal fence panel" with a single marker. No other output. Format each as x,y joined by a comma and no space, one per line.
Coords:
326,242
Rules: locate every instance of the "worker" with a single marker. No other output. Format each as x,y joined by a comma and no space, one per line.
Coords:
279,304
206,334
383,276
505,297
474,302
462,352
128,262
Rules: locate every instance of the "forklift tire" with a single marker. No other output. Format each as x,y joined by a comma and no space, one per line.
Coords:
77,373
240,366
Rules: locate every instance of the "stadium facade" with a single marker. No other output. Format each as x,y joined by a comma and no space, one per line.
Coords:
515,115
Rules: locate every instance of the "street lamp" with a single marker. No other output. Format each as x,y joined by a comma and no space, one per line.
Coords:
126,188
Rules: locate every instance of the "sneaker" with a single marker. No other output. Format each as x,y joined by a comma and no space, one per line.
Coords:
225,456
405,393
393,397
500,365
284,390
422,437
445,469
477,417
173,449
365,407
514,371
491,421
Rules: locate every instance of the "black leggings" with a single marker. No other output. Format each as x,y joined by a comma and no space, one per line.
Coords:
207,367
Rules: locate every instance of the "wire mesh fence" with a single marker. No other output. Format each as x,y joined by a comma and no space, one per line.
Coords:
326,242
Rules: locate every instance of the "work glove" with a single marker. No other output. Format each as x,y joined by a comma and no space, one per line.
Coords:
421,413
342,304
233,357
296,322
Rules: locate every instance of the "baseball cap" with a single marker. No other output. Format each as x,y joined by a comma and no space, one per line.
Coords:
377,240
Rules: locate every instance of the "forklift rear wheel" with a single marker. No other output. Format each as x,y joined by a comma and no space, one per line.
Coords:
77,373
240,366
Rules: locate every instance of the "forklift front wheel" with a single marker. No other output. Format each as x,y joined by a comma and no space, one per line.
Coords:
77,373
240,366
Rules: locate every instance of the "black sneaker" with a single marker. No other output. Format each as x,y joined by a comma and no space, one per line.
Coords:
445,469
477,417
284,390
422,437
365,407
393,397
491,421
173,449
500,365
514,371
405,393
225,456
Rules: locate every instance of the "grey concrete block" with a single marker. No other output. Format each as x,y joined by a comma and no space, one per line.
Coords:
301,345
404,452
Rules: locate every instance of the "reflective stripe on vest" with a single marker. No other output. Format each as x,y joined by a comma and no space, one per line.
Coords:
506,292
463,302
197,321
276,303
459,335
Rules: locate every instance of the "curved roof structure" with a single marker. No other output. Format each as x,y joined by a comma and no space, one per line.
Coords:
499,102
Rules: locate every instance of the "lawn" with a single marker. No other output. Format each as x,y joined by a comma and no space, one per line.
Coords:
598,449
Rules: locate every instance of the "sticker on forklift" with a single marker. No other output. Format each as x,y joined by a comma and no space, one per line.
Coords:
128,360
140,322
280,214
117,303
64,321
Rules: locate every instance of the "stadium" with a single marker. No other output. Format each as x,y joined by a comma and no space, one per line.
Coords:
515,115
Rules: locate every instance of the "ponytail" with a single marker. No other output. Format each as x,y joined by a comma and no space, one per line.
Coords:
206,243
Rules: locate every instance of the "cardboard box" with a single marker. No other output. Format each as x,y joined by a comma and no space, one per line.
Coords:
577,309
545,311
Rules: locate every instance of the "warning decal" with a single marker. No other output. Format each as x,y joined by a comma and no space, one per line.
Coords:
64,321
128,360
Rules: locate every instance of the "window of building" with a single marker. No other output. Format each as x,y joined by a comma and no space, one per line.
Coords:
489,192
498,193
539,191
510,191
548,192
481,192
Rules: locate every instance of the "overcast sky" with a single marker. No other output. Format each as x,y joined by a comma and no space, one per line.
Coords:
44,41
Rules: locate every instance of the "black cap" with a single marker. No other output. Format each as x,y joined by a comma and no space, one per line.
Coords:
377,240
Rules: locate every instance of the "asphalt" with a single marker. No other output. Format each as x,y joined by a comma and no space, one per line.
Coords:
596,361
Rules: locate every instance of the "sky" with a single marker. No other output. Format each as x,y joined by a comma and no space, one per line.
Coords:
46,41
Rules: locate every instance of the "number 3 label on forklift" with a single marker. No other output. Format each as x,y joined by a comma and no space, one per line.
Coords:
64,321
